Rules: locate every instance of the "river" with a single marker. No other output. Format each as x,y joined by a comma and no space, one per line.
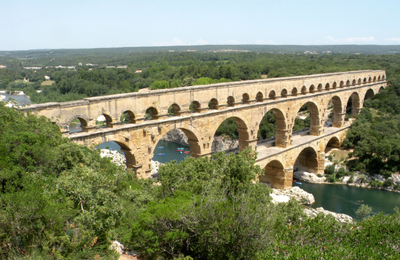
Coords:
347,199
337,198
22,100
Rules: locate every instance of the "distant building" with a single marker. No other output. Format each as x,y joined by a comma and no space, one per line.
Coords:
110,67
46,78
91,65
138,71
3,66
122,67
33,68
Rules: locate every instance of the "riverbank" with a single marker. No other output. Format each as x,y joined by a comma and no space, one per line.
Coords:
306,198
356,179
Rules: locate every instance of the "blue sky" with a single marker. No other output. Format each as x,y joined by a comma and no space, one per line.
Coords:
43,24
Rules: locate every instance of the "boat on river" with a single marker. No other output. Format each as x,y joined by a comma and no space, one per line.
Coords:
160,147
186,152
161,154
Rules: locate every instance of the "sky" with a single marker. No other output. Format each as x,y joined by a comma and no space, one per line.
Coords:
76,24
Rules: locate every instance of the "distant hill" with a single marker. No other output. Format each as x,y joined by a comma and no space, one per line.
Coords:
284,49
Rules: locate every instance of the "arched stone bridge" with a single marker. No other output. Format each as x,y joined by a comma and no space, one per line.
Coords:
199,110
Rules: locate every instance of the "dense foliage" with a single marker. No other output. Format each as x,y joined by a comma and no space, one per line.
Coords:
57,198
60,200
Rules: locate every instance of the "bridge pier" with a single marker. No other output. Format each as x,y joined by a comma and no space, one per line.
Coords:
244,143
316,130
338,121
282,138
277,176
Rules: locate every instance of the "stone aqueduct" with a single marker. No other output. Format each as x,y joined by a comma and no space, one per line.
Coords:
199,110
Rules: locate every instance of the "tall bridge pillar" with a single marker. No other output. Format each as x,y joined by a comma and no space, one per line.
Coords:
316,130
338,121
282,139
244,143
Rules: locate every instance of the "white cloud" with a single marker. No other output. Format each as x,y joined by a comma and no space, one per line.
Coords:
395,39
351,39
201,41
175,41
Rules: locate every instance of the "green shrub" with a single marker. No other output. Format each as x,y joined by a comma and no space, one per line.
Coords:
388,183
330,169
363,211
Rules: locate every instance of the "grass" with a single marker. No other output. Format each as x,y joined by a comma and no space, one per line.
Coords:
47,83
340,154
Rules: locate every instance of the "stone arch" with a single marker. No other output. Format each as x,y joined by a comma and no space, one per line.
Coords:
304,90
369,94
320,88
315,128
243,131
274,173
355,104
380,89
284,93
369,80
341,84
151,113
374,78
174,110
359,81
259,97
383,77
128,117
312,89
334,85
281,128
131,161
348,83
83,121
327,86
338,119
294,92
379,78
307,160
195,107
365,80
272,94
354,82
246,98
193,138
213,104
108,121
333,142
127,148
231,101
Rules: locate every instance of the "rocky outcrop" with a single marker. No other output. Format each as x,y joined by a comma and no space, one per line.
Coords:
154,168
224,144
308,177
310,212
295,192
115,156
283,196
176,136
